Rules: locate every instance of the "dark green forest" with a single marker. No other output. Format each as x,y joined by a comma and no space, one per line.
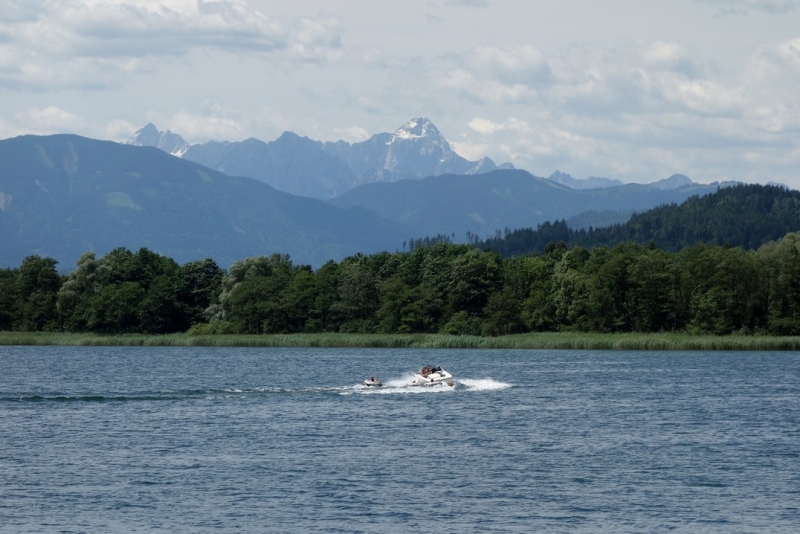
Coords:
441,288
744,216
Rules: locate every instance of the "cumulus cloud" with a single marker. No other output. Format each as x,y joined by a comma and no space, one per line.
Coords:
789,52
514,65
131,28
636,113
491,74
488,127
318,39
636,110
737,7
353,134
103,40
40,121
467,3
480,88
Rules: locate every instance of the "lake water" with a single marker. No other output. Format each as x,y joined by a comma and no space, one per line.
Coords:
127,439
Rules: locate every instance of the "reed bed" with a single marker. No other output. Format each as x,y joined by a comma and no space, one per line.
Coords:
556,340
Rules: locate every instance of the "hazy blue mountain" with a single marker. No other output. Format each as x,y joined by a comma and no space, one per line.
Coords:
301,166
291,163
367,156
592,182
63,195
418,149
485,203
167,141
676,181
415,150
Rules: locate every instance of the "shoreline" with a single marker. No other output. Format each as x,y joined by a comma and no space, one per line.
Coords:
548,340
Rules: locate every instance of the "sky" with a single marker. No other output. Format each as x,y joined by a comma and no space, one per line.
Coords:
635,90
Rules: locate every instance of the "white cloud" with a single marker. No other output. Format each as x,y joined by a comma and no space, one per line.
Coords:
484,126
375,106
634,94
211,124
471,151
789,52
120,129
736,7
704,96
494,75
132,29
47,120
467,3
640,112
97,43
483,89
353,134
318,39
487,127
513,65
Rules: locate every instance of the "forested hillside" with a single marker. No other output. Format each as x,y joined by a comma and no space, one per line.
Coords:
744,216
444,288
483,203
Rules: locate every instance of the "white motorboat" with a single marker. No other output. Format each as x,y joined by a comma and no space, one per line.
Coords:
373,382
431,376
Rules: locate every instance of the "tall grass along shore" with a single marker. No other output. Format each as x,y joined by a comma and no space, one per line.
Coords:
559,340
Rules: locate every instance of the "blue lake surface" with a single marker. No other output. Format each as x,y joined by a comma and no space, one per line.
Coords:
123,439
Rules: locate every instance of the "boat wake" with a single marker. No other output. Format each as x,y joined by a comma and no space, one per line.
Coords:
400,387
397,386
483,384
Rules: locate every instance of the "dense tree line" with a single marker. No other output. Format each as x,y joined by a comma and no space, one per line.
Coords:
444,288
122,292
744,216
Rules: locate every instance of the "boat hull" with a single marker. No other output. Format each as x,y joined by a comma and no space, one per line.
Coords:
436,378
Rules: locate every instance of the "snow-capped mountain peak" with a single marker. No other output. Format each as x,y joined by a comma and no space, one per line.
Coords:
147,136
166,141
417,129
418,149
312,168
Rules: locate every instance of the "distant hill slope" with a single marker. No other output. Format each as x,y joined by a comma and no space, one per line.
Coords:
592,182
63,195
485,203
676,181
742,216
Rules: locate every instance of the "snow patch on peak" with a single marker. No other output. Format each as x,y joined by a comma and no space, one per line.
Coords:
167,141
146,136
418,128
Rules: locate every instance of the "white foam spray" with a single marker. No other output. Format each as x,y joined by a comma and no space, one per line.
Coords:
399,386
483,384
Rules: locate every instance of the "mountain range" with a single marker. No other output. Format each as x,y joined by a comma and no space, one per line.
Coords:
745,215
63,195
302,166
483,204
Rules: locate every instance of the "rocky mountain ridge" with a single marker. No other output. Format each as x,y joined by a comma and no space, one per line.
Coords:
302,166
